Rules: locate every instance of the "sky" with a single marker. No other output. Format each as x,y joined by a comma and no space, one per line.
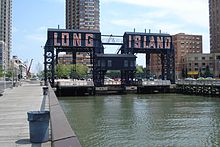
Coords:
32,18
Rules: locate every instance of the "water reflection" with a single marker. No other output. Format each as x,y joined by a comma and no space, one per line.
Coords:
144,120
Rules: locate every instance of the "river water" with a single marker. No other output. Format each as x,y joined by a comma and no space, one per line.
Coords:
144,120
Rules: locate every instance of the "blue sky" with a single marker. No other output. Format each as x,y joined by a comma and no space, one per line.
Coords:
31,18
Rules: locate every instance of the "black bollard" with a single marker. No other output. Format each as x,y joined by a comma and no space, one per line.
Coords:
45,90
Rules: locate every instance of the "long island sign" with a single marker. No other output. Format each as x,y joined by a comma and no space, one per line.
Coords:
147,41
73,38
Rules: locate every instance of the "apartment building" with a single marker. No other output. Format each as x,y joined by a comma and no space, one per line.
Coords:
184,44
5,32
214,22
82,14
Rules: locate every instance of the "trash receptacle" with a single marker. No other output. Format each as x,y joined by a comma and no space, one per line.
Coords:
39,126
45,90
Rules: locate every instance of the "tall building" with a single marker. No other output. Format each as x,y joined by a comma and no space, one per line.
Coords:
82,14
5,32
184,44
214,22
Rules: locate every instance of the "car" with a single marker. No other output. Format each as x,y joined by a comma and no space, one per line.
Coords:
190,79
8,79
209,78
200,78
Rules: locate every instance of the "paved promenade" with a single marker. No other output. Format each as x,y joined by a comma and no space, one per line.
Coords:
14,105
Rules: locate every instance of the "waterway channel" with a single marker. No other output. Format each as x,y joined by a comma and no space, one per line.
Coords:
144,120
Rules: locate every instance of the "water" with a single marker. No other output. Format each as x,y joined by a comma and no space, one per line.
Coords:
144,120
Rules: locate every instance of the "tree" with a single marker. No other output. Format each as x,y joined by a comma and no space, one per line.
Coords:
183,73
114,74
1,71
207,72
9,74
63,71
39,69
73,71
139,71
81,70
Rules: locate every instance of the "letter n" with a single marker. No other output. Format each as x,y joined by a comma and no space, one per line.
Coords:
77,39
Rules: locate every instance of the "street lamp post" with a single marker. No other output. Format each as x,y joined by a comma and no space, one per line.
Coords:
4,76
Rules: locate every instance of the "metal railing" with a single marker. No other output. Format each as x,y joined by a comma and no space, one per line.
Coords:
61,131
199,82
157,83
75,83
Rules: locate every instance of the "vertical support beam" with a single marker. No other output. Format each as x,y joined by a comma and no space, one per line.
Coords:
73,57
147,64
53,69
173,73
74,60
45,65
162,66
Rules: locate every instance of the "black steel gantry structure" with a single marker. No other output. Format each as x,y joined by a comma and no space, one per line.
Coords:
61,40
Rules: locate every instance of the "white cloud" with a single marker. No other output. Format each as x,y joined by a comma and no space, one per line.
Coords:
42,29
171,16
193,12
37,37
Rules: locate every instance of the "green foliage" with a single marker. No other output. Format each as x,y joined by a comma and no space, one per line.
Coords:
207,72
184,73
1,71
81,70
113,74
9,74
40,74
63,70
139,69
73,71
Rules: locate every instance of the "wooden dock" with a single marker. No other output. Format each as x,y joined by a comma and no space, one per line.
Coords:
14,105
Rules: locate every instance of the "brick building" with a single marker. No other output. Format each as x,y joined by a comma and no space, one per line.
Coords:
184,44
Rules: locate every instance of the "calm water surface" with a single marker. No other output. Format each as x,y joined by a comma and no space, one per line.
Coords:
144,120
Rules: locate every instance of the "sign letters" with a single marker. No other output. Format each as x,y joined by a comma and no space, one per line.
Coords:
148,41
73,39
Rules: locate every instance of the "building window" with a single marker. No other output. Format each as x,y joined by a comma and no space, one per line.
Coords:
103,63
196,58
125,63
109,63
203,58
132,64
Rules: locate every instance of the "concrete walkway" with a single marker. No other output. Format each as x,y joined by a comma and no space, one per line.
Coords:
14,105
